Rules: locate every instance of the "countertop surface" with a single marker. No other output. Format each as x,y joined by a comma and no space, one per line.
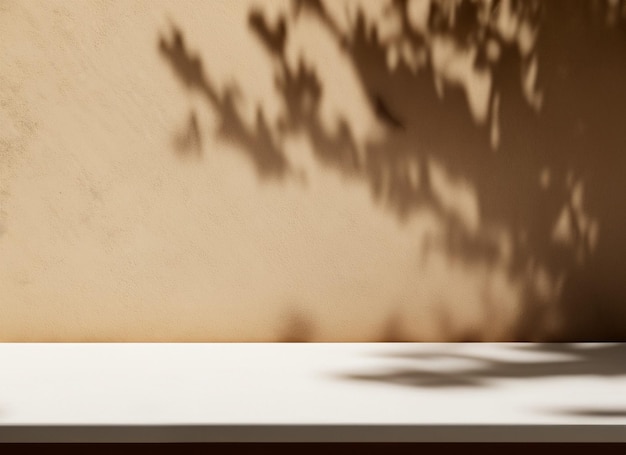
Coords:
323,391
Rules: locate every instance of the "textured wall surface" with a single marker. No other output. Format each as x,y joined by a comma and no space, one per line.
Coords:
312,171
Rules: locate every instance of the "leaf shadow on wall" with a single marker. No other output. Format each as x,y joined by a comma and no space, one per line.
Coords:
258,143
189,141
298,328
563,161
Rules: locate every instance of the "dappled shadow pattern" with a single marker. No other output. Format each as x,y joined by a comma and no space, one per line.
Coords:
605,360
257,142
536,163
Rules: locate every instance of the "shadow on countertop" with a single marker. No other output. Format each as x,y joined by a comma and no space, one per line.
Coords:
619,413
608,360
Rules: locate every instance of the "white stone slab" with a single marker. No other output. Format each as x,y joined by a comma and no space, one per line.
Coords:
302,392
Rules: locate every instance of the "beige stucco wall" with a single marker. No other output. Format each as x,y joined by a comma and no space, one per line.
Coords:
109,232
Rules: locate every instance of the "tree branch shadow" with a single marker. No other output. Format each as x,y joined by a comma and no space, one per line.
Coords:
575,140
257,143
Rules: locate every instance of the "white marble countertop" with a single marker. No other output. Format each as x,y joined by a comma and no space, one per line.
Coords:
422,392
